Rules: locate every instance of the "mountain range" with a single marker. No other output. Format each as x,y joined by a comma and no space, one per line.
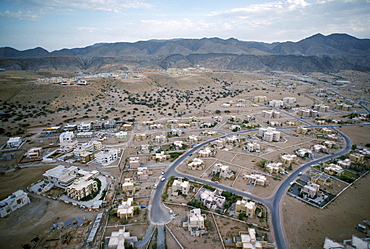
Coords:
317,53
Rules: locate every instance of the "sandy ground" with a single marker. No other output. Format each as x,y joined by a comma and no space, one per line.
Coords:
337,221
105,98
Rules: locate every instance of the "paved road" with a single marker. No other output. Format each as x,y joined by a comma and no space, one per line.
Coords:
160,215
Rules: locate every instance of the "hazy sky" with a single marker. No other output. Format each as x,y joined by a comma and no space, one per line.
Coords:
57,24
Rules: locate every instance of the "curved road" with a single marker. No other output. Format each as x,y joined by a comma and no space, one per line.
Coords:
160,215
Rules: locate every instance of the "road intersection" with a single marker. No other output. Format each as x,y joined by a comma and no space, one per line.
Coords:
160,215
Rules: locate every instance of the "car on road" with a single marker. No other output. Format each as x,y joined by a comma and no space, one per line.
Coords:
163,178
163,172
300,173
190,154
155,186
216,182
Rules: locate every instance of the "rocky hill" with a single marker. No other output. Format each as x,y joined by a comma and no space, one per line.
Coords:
316,53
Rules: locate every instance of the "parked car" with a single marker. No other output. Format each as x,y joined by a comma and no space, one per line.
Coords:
163,178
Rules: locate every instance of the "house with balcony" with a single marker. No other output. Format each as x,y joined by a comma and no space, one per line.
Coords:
310,190
195,222
107,156
81,188
61,176
179,186
223,170
245,206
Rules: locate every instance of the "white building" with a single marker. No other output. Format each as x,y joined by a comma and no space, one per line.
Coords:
275,103
206,152
118,238
107,156
14,201
269,134
195,222
14,142
212,199
196,164
62,176
289,100
256,179
223,170
84,127
180,186
252,147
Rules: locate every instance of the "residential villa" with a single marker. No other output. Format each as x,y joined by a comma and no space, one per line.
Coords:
84,127
14,142
302,152
13,202
206,152
180,186
302,130
107,156
256,179
142,173
274,168
67,140
83,187
128,187
196,164
330,144
260,98
141,136
195,222
134,162
248,240
245,206
223,170
193,139
118,239
121,134
289,100
319,148
271,114
269,134
276,103
320,178
212,199
310,190
334,169
160,139
61,176
126,209
252,147
160,157
288,159
35,152
210,133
